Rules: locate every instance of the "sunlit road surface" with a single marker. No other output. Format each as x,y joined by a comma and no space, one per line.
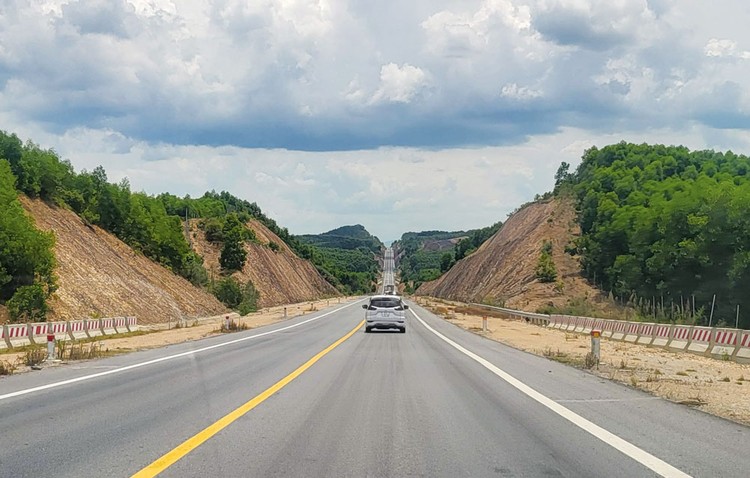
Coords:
380,404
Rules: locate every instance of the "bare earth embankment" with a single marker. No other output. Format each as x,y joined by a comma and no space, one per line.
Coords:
101,276
713,386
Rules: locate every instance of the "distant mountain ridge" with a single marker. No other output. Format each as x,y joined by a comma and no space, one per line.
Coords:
345,237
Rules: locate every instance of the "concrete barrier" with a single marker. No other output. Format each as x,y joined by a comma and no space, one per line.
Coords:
77,329
608,326
38,333
120,324
742,355
18,335
631,332
108,326
94,327
580,324
588,325
680,337
724,343
619,329
132,324
662,334
4,344
645,334
700,340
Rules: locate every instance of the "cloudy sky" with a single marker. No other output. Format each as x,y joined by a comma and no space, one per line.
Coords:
426,114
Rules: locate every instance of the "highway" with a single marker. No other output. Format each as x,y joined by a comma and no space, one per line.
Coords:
389,267
436,401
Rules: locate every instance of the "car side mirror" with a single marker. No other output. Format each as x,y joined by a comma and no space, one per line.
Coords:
364,306
406,307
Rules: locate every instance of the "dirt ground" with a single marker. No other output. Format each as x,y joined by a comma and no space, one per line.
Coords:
713,386
160,335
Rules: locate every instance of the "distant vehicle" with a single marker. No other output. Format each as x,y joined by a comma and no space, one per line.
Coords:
389,289
385,312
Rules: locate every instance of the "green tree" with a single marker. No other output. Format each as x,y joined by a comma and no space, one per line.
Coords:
233,254
446,261
28,304
228,291
26,256
250,298
546,271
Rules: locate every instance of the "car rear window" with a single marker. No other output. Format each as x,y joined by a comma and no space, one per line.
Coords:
385,303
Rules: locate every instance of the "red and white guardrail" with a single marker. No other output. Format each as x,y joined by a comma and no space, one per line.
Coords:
720,343
18,335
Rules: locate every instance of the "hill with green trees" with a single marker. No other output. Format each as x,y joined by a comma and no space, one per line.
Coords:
424,256
345,237
665,229
150,225
346,257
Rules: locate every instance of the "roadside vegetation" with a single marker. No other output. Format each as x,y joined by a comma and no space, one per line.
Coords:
346,257
665,229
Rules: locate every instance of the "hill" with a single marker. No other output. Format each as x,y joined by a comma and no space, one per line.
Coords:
347,257
502,270
423,256
279,275
99,275
345,237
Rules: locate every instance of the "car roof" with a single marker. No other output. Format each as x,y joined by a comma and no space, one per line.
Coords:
385,296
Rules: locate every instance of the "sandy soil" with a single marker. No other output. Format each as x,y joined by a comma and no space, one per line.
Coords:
713,386
160,335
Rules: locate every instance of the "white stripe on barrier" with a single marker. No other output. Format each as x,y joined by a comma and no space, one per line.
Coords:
724,343
18,335
743,350
120,324
4,344
645,334
77,329
108,326
632,332
38,333
680,337
93,327
618,332
662,335
700,340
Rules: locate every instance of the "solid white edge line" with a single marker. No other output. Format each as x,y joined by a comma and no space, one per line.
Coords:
641,456
164,359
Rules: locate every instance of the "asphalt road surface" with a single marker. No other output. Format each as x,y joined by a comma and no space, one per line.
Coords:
436,401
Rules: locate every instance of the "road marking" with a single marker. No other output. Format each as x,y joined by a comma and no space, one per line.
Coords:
164,359
167,460
641,456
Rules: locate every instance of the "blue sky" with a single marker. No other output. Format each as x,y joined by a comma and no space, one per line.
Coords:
428,114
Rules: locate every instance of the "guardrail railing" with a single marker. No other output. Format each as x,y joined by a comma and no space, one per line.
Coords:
716,342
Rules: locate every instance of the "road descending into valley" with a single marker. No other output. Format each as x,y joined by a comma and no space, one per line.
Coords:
315,396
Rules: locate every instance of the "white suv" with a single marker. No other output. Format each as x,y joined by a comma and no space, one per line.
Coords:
385,312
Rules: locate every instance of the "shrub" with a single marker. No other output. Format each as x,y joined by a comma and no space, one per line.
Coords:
546,271
228,291
28,304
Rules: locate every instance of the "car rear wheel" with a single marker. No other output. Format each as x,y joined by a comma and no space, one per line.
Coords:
402,330
368,330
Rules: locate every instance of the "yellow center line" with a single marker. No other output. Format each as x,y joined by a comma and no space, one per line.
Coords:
168,459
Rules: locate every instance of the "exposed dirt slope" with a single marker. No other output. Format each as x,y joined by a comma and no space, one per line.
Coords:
502,269
100,275
280,277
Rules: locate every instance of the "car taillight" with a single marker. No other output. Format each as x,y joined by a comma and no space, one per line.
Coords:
372,308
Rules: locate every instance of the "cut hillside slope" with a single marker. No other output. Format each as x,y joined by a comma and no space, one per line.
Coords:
502,269
280,277
99,275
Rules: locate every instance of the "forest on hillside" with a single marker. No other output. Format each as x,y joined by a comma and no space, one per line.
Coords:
346,257
665,229
151,225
